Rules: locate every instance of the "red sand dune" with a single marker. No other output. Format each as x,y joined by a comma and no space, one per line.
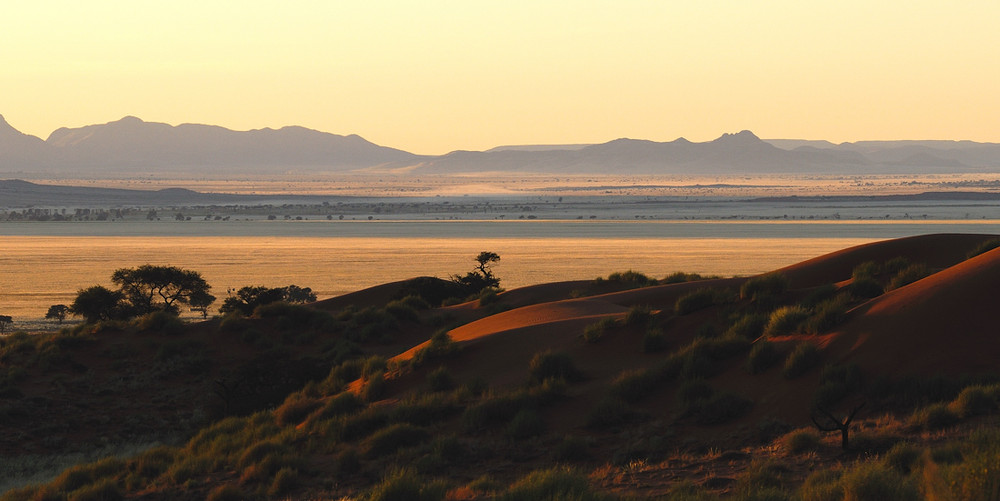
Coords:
948,322
936,251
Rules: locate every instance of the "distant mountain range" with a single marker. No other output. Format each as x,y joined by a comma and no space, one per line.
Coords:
132,146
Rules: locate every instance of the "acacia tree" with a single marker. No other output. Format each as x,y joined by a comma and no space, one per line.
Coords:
98,303
247,299
151,288
482,276
57,312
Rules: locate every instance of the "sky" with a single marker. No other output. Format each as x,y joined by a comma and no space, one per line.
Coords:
436,76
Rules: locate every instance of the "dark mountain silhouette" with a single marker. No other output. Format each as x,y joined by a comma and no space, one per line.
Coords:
133,146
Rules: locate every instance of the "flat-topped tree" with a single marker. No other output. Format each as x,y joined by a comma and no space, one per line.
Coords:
151,288
57,312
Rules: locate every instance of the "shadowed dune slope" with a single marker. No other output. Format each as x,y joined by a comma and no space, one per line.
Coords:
936,251
946,323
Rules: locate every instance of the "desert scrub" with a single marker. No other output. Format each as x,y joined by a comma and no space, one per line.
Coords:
425,410
749,326
803,357
295,409
763,355
696,300
681,277
975,401
933,417
525,424
553,365
654,340
639,316
596,331
801,440
785,320
874,480
867,269
984,247
907,276
626,280
828,314
441,346
374,388
161,322
440,380
402,311
865,288
405,484
493,407
392,438
634,385
764,287
555,483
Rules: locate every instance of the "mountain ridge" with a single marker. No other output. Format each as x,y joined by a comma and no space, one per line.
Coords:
132,145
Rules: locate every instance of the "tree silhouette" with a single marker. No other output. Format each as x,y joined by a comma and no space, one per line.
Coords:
482,276
98,303
833,423
247,299
5,322
57,312
150,288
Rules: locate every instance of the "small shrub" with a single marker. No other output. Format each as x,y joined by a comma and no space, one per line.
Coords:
402,311
818,295
441,346
559,483
829,314
802,440
694,301
295,410
803,357
907,276
572,449
440,380
895,265
609,412
984,247
227,492
161,322
872,480
286,480
902,457
750,326
867,269
785,320
526,423
763,355
634,385
373,365
973,401
553,365
654,340
865,288
405,485
764,286
596,331
933,417
393,438
639,315
680,277
374,388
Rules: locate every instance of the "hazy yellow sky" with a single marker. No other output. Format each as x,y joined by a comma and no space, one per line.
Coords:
435,76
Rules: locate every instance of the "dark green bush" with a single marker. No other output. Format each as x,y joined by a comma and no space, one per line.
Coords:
749,326
907,276
680,277
654,340
440,380
639,315
596,331
526,423
803,357
828,314
984,247
763,355
865,288
441,346
765,286
392,438
559,483
785,320
553,365
695,300
634,385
